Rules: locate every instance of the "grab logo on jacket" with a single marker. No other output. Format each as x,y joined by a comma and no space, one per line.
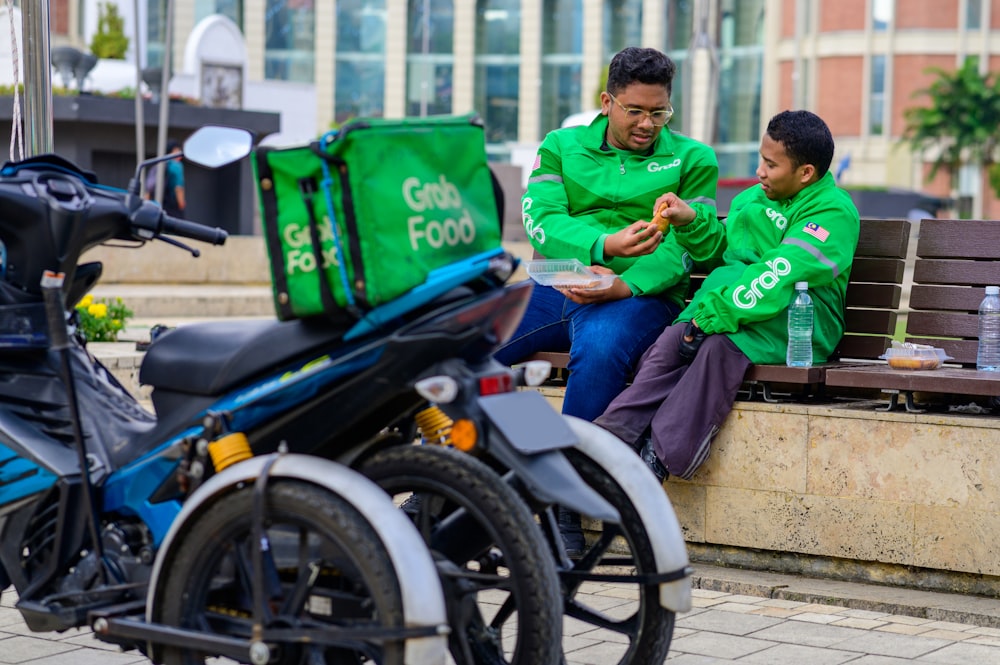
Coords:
654,167
746,297
779,220
531,227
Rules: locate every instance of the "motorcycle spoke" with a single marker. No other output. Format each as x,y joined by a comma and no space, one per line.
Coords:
585,614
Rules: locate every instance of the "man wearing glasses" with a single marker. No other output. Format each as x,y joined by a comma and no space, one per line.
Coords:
589,197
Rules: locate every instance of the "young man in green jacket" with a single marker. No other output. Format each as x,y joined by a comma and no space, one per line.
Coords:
796,225
588,198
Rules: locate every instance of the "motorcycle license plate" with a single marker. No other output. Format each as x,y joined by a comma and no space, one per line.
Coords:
528,421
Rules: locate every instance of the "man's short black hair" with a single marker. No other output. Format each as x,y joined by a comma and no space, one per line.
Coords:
642,65
172,144
806,138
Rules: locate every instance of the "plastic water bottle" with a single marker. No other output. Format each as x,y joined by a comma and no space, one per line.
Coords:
800,328
988,358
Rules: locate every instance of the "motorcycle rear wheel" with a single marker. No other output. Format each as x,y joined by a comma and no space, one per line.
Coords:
490,552
325,568
649,629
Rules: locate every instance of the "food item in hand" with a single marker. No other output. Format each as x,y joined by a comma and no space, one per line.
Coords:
662,222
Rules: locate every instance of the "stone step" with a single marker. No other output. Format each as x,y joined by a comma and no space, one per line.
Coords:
165,300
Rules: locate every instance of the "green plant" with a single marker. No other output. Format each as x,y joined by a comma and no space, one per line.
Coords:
961,123
109,41
101,320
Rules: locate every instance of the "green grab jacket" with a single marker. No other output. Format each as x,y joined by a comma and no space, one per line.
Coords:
761,250
580,190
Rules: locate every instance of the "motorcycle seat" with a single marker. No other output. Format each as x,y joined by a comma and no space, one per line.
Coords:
213,357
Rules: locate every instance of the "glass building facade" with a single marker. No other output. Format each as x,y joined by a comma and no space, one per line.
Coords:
548,39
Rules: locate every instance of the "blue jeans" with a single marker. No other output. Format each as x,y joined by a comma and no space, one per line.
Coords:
605,341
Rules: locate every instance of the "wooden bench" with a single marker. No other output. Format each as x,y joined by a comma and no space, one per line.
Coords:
956,260
872,299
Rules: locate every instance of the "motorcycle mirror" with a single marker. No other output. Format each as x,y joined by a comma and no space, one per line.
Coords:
213,146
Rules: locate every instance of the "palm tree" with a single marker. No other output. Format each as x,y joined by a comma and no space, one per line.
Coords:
961,124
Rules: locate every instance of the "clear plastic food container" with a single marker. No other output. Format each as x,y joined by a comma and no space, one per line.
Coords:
567,274
907,355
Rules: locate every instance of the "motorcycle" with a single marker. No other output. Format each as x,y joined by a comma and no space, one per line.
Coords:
168,535
421,367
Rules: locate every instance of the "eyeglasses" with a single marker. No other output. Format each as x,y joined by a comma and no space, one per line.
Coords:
658,118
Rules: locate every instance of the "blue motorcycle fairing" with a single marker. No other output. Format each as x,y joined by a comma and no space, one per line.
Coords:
128,490
21,477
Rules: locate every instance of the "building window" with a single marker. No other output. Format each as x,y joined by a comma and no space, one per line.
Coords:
498,54
741,64
156,31
290,35
679,31
360,60
622,26
973,14
430,57
562,61
876,103
232,9
881,15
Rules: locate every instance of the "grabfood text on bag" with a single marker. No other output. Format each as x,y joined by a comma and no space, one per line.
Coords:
296,236
441,197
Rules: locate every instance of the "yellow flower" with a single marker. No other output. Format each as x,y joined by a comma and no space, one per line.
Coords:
98,310
86,301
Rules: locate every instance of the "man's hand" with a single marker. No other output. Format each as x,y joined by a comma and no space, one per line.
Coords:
637,239
671,209
691,342
618,290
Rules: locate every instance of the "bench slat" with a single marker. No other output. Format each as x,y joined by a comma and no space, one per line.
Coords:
968,239
883,238
870,269
870,321
941,324
933,296
957,272
957,380
874,295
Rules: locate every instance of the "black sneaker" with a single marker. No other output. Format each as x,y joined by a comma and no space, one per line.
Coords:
648,455
571,530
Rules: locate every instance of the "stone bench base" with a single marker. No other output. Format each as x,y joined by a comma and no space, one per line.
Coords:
861,494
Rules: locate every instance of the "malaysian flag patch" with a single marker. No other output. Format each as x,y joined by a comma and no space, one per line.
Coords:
817,231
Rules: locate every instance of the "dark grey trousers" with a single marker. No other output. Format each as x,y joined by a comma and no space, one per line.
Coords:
683,405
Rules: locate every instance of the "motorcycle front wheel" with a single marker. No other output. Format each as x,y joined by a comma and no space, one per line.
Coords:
325,569
645,633
498,575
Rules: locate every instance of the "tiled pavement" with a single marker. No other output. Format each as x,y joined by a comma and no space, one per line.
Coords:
723,627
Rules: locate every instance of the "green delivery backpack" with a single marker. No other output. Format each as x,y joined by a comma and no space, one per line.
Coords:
363,214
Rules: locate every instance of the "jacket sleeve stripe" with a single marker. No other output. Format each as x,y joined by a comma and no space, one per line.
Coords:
815,251
550,177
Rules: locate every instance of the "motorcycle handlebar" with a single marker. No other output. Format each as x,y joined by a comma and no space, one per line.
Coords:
179,227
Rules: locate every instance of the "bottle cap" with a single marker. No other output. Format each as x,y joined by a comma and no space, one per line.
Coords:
804,286
993,290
